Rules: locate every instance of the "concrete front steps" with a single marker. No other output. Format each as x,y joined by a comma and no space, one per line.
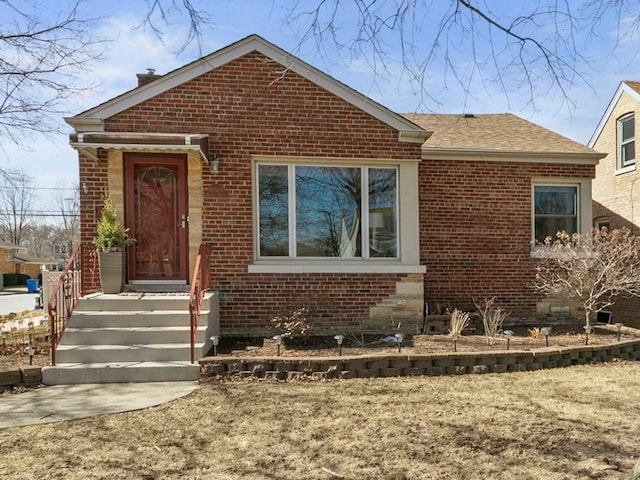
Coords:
137,337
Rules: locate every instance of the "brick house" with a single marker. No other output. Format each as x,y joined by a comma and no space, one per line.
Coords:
615,193
306,190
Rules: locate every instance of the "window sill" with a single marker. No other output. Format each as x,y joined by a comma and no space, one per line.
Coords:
368,267
627,169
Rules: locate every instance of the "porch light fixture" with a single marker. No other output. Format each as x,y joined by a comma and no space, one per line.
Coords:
619,329
546,331
399,339
278,339
587,331
216,340
31,352
508,334
339,339
214,164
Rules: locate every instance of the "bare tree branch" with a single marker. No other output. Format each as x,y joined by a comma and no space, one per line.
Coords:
38,66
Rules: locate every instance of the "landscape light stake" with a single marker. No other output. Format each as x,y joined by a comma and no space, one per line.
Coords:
587,331
508,333
339,339
31,351
546,331
4,341
399,339
278,339
454,337
216,340
619,329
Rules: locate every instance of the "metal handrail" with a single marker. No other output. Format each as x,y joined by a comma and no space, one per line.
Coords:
70,287
200,283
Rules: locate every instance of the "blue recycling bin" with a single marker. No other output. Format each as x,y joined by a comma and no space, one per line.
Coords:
32,286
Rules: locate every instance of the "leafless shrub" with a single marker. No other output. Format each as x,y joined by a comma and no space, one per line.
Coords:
492,318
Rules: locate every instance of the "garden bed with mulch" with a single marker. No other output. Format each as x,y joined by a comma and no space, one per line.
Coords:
355,345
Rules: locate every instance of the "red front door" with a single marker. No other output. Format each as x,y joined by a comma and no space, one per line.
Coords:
156,205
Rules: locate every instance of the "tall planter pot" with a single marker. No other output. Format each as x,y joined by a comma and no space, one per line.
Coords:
112,269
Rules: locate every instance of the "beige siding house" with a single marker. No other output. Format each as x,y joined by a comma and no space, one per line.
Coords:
616,187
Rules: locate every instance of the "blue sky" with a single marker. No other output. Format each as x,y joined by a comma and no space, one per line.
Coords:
53,163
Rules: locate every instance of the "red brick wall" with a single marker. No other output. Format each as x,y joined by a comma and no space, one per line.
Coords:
475,231
248,107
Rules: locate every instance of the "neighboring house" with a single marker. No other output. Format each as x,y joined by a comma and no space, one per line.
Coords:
305,188
616,190
13,259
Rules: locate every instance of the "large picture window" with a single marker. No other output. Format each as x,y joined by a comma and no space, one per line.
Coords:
555,210
327,211
626,141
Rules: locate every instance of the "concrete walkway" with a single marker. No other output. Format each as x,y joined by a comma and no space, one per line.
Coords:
70,402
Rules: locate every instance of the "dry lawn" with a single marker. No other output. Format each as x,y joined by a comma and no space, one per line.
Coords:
571,423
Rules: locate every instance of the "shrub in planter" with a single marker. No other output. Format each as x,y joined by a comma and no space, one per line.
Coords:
111,242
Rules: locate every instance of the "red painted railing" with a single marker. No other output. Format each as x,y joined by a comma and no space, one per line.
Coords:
200,283
79,277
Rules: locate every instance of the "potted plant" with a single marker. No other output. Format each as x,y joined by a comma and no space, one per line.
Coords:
111,242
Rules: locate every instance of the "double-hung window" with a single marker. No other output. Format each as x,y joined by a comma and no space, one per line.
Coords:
626,141
327,211
555,210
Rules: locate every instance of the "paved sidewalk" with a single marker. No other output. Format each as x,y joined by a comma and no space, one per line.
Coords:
70,402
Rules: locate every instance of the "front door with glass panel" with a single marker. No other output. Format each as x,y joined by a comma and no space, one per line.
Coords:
156,202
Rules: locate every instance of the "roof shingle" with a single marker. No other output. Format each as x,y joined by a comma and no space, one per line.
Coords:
502,132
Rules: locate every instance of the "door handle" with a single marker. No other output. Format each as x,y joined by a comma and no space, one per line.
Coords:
185,220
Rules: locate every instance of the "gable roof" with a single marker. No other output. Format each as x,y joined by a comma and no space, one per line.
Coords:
92,120
631,88
497,136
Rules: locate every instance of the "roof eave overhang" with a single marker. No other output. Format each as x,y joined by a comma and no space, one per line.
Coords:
514,156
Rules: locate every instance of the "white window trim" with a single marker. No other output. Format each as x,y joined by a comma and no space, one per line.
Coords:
629,166
585,215
408,259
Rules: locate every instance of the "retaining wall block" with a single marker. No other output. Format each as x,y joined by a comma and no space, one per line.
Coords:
466,360
456,370
355,365
400,362
422,362
479,369
434,371
368,373
10,377
412,372
213,369
444,361
377,364
500,368
348,374
516,367
391,372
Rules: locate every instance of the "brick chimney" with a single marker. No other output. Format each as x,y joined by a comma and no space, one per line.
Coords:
150,76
